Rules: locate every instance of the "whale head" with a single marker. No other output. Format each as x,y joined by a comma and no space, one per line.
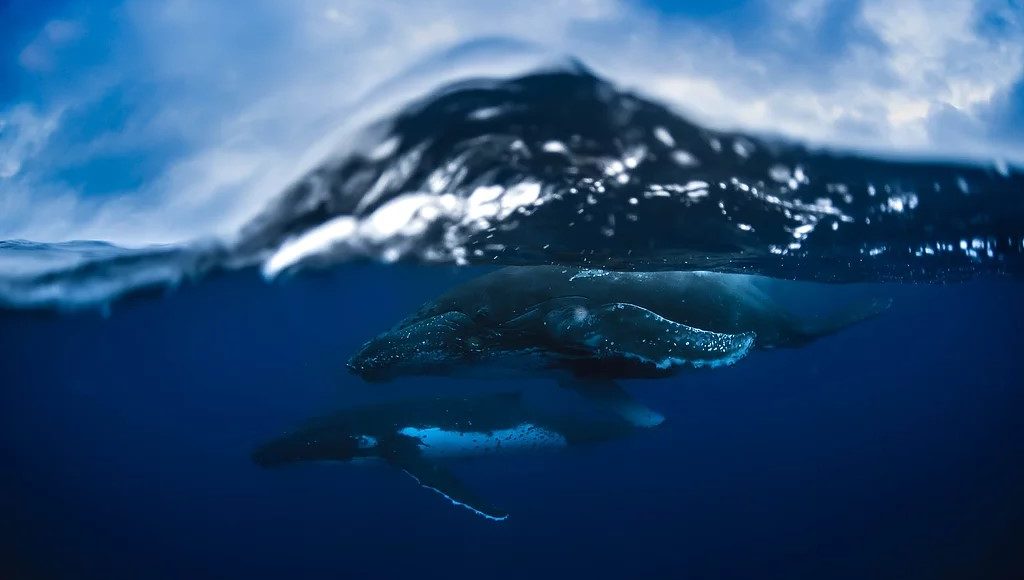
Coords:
433,346
328,440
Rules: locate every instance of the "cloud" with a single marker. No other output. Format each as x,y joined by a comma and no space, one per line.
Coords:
897,66
40,55
180,119
23,134
1004,117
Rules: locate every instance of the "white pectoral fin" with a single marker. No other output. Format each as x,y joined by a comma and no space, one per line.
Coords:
441,480
610,395
629,331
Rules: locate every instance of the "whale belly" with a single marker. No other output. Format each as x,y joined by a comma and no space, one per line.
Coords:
438,443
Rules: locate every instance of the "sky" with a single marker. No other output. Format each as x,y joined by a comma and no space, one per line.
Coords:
142,122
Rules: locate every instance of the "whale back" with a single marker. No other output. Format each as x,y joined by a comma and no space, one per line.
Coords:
725,303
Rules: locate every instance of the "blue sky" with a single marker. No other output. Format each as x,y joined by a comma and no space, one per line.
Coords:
148,122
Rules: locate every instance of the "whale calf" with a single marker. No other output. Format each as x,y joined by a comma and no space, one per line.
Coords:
421,436
587,328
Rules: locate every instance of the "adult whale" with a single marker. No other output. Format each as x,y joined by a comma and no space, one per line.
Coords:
589,327
421,436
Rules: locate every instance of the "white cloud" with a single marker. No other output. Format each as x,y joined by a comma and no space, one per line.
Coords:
39,55
249,98
23,133
929,57
939,59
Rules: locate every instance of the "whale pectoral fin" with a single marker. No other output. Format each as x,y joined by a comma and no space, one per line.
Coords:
440,479
608,394
628,331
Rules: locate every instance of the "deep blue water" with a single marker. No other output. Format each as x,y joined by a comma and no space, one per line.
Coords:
890,450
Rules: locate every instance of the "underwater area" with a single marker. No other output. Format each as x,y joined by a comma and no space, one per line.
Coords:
500,309
891,448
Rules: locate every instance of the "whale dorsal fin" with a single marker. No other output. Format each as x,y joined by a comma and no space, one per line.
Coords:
438,478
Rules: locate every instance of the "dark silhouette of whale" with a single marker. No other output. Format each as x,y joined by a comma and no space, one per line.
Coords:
589,327
421,436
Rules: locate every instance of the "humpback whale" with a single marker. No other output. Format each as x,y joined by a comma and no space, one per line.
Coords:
587,328
421,436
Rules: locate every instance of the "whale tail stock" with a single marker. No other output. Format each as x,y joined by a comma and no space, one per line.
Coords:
815,328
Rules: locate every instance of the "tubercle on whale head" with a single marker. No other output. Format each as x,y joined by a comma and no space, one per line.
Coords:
434,346
370,363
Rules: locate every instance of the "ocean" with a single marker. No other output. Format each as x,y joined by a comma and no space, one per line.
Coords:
891,449
137,383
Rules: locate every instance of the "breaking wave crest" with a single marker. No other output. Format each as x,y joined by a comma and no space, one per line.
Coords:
561,166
